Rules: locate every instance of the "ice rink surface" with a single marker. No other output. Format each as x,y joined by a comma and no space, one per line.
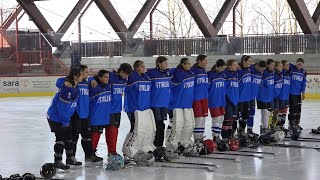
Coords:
26,143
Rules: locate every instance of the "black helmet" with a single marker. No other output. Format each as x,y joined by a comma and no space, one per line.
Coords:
48,170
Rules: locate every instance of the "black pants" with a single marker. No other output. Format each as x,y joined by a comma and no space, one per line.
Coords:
81,126
63,140
229,123
160,115
132,121
244,111
295,109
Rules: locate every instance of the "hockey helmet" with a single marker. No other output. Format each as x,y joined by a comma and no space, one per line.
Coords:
28,176
210,145
278,136
222,146
48,170
234,144
115,162
295,134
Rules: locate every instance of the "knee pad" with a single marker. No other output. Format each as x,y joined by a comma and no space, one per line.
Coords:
198,129
173,134
58,148
188,127
143,133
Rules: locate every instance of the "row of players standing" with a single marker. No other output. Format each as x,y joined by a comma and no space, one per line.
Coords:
186,91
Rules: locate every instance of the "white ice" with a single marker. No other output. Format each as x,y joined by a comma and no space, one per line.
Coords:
26,143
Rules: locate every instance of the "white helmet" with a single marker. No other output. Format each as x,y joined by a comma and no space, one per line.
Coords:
278,136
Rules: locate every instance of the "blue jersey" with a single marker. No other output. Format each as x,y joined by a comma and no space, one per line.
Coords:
63,105
217,89
181,89
232,85
278,81
244,84
298,80
266,89
118,86
137,92
83,100
160,87
200,83
284,94
100,104
256,77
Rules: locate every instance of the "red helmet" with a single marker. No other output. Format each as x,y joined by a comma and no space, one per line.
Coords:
234,144
210,145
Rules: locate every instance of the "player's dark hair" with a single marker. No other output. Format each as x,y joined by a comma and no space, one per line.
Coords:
244,58
182,61
300,60
101,73
160,59
136,64
125,68
200,57
277,63
83,67
219,63
269,61
230,62
75,71
284,62
262,64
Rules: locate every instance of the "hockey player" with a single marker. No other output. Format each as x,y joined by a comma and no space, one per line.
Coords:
265,95
80,121
118,81
297,93
217,100
59,115
160,93
138,145
278,82
284,94
200,98
100,104
232,96
181,115
256,74
244,93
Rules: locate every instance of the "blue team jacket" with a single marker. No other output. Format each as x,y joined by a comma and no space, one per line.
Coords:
100,104
181,89
200,83
118,86
63,105
244,84
278,82
160,87
137,92
298,80
284,94
255,82
266,89
217,89
232,84
83,100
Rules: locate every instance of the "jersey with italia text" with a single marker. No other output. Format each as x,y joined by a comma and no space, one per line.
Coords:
63,105
181,89
278,82
118,86
217,89
200,83
160,87
284,94
232,85
244,84
256,77
298,80
137,92
266,89
100,104
83,100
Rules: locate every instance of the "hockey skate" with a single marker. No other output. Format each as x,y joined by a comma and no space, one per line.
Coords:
143,159
93,160
61,166
73,161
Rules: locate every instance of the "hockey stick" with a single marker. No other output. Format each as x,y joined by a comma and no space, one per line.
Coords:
198,164
207,168
220,158
239,154
258,152
294,146
303,140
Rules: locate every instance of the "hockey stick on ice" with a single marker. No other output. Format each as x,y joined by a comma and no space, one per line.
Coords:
220,158
239,154
294,146
168,165
194,163
258,152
